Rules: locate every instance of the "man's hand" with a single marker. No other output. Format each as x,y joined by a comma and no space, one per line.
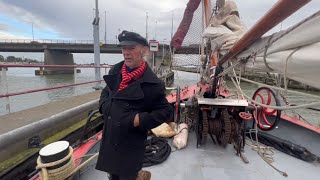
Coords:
136,120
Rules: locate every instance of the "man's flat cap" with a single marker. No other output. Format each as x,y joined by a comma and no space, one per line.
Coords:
127,38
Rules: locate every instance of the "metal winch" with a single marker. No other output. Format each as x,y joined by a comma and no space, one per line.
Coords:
218,118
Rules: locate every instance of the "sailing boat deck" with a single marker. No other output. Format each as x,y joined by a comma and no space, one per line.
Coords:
211,161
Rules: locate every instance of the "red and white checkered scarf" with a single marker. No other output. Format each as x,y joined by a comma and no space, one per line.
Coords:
128,77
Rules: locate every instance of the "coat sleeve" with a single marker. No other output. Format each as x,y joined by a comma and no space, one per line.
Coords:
104,95
161,110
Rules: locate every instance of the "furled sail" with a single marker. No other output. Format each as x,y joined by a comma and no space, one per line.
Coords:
293,53
225,28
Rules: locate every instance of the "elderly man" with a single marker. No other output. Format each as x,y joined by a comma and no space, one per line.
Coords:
132,103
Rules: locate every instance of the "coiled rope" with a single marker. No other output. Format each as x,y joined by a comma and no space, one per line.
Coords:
157,150
58,173
265,152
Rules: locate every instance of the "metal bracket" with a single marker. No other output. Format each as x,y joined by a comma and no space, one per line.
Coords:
222,102
35,142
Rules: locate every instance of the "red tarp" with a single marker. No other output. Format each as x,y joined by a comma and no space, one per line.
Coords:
184,26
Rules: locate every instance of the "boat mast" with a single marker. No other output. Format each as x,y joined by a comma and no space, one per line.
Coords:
105,27
171,25
96,47
207,11
147,26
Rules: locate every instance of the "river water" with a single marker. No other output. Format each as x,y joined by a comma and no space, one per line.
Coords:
22,79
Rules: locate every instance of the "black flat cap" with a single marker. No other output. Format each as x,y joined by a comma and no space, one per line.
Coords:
127,38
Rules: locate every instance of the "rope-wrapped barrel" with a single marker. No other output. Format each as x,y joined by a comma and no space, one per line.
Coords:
55,161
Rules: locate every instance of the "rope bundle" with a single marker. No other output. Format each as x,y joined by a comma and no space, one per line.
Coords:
157,150
62,172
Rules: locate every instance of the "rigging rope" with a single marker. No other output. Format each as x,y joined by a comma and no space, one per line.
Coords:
296,114
279,88
274,107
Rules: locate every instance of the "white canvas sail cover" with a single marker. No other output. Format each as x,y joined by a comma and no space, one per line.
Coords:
294,52
225,28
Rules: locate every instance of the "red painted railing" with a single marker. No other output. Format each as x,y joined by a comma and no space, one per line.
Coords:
52,66
45,89
48,66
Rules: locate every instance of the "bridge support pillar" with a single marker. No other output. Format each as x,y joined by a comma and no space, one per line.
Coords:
55,57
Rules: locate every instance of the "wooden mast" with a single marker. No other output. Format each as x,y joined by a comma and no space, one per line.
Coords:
207,12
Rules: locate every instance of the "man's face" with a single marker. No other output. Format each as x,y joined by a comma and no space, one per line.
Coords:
133,55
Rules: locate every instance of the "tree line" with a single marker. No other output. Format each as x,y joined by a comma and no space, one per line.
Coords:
12,59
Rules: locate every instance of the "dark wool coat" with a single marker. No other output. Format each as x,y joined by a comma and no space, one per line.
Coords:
122,144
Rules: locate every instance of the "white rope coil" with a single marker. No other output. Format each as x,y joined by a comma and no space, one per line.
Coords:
60,173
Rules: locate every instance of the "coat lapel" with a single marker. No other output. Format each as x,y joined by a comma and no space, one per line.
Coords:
133,91
112,81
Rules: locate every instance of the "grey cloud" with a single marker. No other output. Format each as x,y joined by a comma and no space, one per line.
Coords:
73,18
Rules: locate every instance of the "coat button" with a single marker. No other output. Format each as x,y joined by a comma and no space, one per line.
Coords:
109,117
127,104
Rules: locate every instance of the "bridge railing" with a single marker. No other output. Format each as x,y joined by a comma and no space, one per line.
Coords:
54,41
4,82
72,41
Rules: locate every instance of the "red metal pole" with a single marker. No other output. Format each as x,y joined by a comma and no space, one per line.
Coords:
280,11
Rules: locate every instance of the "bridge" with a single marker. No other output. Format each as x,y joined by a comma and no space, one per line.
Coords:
75,46
59,52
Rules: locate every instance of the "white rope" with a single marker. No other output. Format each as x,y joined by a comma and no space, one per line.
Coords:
238,82
58,173
84,163
265,152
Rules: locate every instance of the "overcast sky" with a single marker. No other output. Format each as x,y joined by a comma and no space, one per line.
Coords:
72,19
